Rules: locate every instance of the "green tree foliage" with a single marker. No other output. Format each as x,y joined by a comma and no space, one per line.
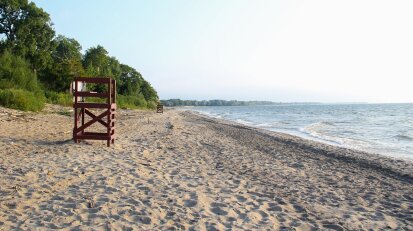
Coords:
97,62
132,101
149,93
66,63
28,32
60,98
19,88
130,82
15,72
28,48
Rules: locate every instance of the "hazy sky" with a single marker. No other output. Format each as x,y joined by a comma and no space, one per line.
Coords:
315,50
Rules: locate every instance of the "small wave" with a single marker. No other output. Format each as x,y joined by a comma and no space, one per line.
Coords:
334,140
263,125
210,114
403,137
317,126
326,123
284,122
241,121
315,130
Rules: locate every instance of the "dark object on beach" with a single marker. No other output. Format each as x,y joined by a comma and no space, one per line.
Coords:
91,203
159,108
107,109
169,125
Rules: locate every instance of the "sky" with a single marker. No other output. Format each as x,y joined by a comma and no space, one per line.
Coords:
283,51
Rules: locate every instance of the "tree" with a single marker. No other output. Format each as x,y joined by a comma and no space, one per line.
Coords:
67,49
29,49
114,68
130,81
66,63
15,73
149,92
11,15
27,30
96,61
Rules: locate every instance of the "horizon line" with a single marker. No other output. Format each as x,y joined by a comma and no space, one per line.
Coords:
293,102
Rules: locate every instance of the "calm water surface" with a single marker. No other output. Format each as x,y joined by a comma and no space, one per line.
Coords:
385,129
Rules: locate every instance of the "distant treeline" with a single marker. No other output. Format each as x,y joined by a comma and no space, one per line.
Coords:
36,66
216,102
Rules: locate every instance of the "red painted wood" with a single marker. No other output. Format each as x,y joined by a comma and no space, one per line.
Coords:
91,105
93,137
93,79
93,117
106,118
92,121
91,94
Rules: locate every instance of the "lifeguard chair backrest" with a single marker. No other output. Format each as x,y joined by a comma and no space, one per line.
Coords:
81,86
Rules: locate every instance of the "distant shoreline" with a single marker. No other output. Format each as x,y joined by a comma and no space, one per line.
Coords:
214,103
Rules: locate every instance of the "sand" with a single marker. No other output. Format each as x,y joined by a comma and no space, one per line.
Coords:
183,171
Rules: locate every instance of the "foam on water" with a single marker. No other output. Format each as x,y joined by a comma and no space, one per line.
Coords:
316,130
378,128
246,122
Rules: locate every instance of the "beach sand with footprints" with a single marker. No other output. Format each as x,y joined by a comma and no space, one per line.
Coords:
183,171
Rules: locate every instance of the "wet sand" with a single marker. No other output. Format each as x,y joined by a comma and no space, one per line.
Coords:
183,171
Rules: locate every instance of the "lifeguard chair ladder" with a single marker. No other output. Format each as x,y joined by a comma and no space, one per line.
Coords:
81,108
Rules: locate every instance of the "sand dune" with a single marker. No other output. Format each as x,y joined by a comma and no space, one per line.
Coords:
199,174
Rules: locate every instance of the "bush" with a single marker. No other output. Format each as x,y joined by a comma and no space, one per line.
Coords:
152,104
19,88
15,72
21,99
131,102
60,98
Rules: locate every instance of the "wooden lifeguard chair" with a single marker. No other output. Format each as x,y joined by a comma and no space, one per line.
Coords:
159,108
106,109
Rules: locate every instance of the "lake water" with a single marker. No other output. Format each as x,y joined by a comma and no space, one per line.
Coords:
385,129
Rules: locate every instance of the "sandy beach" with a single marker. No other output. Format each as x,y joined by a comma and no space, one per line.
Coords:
183,171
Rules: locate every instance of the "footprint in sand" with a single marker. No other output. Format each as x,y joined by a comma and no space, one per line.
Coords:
190,203
333,227
273,207
255,217
241,198
143,219
191,200
217,208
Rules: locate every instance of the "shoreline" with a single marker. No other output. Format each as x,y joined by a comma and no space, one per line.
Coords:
199,174
400,167
302,134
